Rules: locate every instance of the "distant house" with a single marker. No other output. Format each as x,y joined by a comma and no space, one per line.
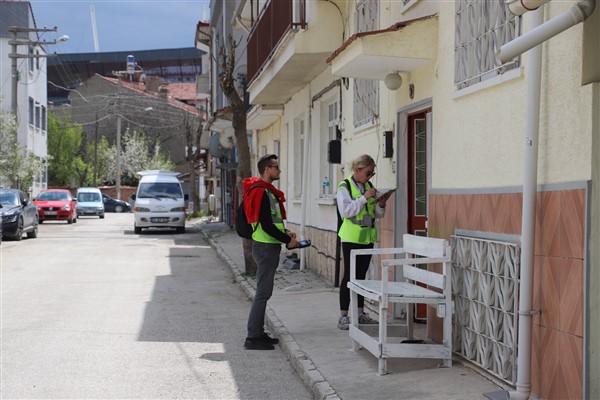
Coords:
99,100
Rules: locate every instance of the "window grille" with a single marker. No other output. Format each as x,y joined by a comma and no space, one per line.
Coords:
366,92
485,284
482,27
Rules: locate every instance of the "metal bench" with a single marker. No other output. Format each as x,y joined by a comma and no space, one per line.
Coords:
416,250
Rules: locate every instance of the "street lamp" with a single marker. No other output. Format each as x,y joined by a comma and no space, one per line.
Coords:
14,42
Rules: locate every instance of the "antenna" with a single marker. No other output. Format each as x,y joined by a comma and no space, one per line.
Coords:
94,31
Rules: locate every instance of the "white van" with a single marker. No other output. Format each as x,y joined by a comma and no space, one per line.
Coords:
89,202
159,201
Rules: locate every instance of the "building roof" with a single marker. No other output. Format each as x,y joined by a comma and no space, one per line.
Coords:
141,88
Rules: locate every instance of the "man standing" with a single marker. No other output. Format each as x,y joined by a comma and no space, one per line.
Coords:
264,209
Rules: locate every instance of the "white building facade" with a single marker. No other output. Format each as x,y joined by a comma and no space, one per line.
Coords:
31,107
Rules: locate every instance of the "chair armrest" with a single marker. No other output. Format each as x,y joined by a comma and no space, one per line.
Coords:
356,252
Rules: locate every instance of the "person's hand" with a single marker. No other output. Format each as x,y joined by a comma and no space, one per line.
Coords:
370,193
293,243
291,234
384,198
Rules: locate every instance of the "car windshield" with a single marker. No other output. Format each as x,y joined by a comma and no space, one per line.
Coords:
9,199
53,196
159,189
89,197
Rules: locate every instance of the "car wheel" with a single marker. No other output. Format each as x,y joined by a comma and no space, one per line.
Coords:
32,234
41,221
180,229
137,229
19,231
71,220
102,216
118,209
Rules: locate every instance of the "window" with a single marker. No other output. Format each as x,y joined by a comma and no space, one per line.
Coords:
298,156
366,92
476,44
330,122
31,111
37,115
30,61
44,119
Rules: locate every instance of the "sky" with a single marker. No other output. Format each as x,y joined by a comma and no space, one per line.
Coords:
122,25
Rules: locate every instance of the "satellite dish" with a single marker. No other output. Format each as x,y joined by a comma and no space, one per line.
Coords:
227,138
215,148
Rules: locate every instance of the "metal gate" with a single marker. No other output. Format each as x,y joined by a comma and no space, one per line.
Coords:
485,285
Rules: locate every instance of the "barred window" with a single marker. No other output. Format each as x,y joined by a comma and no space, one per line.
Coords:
366,91
482,27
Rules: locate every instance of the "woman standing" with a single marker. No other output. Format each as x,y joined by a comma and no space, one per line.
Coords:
358,207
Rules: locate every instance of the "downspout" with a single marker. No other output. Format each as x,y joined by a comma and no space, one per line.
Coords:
574,15
305,173
532,40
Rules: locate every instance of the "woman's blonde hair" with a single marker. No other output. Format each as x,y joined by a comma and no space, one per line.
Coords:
363,161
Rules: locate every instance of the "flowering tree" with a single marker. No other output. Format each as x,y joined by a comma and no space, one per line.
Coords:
18,166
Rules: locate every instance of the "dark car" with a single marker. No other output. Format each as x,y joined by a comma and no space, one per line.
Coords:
56,205
115,205
19,215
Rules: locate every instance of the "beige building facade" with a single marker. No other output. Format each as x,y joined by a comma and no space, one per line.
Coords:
455,140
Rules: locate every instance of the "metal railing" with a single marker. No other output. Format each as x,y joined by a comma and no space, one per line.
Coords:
275,20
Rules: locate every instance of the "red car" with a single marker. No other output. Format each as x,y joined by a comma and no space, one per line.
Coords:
56,205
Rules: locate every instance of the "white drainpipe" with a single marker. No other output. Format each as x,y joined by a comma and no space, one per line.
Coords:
574,15
305,174
533,39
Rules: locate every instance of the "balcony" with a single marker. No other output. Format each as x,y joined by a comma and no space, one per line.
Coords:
286,50
403,47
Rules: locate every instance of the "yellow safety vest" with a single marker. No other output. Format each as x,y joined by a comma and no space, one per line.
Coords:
259,234
360,228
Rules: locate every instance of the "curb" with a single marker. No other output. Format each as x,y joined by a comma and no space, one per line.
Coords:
314,381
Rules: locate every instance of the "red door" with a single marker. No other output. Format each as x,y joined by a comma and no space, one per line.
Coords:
417,184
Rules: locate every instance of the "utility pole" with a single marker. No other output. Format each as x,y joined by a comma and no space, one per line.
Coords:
14,42
118,174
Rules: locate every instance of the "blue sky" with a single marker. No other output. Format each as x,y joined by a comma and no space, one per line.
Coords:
122,25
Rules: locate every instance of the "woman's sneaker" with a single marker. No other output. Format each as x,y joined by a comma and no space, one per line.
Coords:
344,323
365,319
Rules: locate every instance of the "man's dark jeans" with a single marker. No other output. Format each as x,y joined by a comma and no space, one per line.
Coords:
266,256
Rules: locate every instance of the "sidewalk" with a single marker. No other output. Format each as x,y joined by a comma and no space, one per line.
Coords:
303,314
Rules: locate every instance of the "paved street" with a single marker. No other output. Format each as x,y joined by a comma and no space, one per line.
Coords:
91,310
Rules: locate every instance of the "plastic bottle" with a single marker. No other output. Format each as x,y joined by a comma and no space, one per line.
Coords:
325,186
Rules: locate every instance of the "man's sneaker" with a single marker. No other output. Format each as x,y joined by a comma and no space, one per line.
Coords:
269,339
257,343
365,319
344,323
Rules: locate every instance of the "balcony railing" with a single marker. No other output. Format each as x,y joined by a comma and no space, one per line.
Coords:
276,19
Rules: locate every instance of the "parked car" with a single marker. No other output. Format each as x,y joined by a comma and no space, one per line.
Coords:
19,215
56,205
115,205
89,202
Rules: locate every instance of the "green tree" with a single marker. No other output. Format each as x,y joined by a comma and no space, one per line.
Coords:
139,155
64,144
105,161
18,166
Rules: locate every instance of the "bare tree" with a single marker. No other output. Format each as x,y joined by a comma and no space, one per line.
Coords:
238,108
192,139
